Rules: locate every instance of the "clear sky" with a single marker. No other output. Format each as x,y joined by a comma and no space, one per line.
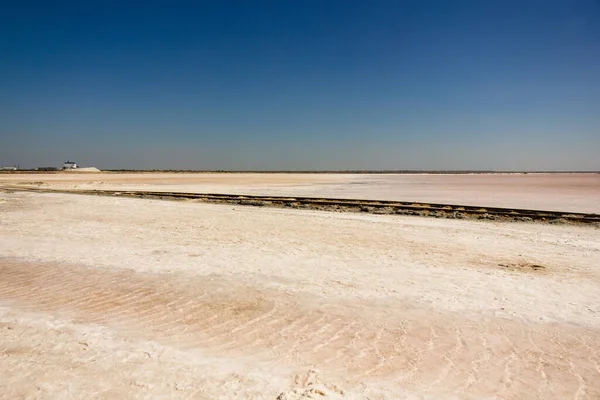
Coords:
309,85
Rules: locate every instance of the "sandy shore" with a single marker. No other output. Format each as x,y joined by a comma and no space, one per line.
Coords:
130,298
555,192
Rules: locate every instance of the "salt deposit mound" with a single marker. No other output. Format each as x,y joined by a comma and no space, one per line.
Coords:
86,169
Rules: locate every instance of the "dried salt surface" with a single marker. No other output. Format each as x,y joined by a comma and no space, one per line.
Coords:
131,298
559,192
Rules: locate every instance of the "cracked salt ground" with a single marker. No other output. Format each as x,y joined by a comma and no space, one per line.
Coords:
290,304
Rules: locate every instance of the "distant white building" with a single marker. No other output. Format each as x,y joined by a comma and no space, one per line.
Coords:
8,168
69,165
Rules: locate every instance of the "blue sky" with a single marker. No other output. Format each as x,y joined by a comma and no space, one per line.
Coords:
272,85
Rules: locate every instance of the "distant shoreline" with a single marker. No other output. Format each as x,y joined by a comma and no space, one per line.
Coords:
383,172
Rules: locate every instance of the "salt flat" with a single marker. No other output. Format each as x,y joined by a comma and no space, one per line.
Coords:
130,298
555,192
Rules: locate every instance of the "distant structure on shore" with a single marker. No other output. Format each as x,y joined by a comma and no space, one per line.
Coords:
69,165
11,168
